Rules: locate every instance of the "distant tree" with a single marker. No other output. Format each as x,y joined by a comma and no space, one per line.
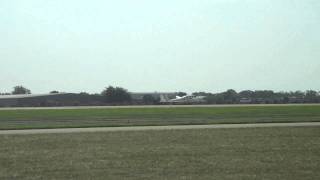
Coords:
230,96
211,99
84,93
285,99
20,90
181,94
201,94
220,98
116,95
311,96
263,94
298,94
54,92
246,94
109,93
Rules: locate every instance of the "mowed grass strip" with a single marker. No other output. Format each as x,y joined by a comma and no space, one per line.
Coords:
254,153
66,118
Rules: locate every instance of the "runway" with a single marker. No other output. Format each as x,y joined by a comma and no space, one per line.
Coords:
156,106
148,128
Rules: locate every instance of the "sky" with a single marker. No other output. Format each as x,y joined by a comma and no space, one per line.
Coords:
152,45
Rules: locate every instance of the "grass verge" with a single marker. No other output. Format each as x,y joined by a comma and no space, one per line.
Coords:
67,118
253,153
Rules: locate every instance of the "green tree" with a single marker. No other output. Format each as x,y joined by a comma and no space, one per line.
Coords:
230,96
201,94
181,94
116,95
20,90
246,94
311,96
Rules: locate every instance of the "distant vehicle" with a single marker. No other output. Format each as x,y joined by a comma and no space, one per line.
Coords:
189,99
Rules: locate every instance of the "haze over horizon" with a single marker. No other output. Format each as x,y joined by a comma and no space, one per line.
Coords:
189,45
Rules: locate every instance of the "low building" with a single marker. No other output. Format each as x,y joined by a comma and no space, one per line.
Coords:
296,99
55,99
245,101
162,96
72,99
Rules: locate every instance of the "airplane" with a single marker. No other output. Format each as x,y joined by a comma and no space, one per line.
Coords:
188,99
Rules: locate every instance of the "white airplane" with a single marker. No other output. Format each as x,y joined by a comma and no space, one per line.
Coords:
188,99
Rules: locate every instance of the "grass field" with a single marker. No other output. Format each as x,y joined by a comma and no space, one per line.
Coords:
253,153
62,118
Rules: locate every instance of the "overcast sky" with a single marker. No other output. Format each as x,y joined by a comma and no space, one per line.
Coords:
159,45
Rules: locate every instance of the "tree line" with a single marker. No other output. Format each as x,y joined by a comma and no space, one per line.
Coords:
119,95
109,94
18,90
261,97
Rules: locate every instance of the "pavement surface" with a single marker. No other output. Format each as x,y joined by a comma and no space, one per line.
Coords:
154,106
147,128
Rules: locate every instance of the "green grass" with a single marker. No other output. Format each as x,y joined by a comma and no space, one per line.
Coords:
233,154
59,118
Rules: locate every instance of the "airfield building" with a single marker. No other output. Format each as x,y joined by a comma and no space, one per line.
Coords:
162,96
56,99
72,99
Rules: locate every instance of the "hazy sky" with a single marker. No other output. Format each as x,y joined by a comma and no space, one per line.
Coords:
159,45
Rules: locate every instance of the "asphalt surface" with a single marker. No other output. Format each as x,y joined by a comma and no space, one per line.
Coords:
154,106
147,128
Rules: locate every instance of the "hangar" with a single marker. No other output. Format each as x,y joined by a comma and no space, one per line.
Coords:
73,99
55,99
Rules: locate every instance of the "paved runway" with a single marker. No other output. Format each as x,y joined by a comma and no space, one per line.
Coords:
147,128
156,106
